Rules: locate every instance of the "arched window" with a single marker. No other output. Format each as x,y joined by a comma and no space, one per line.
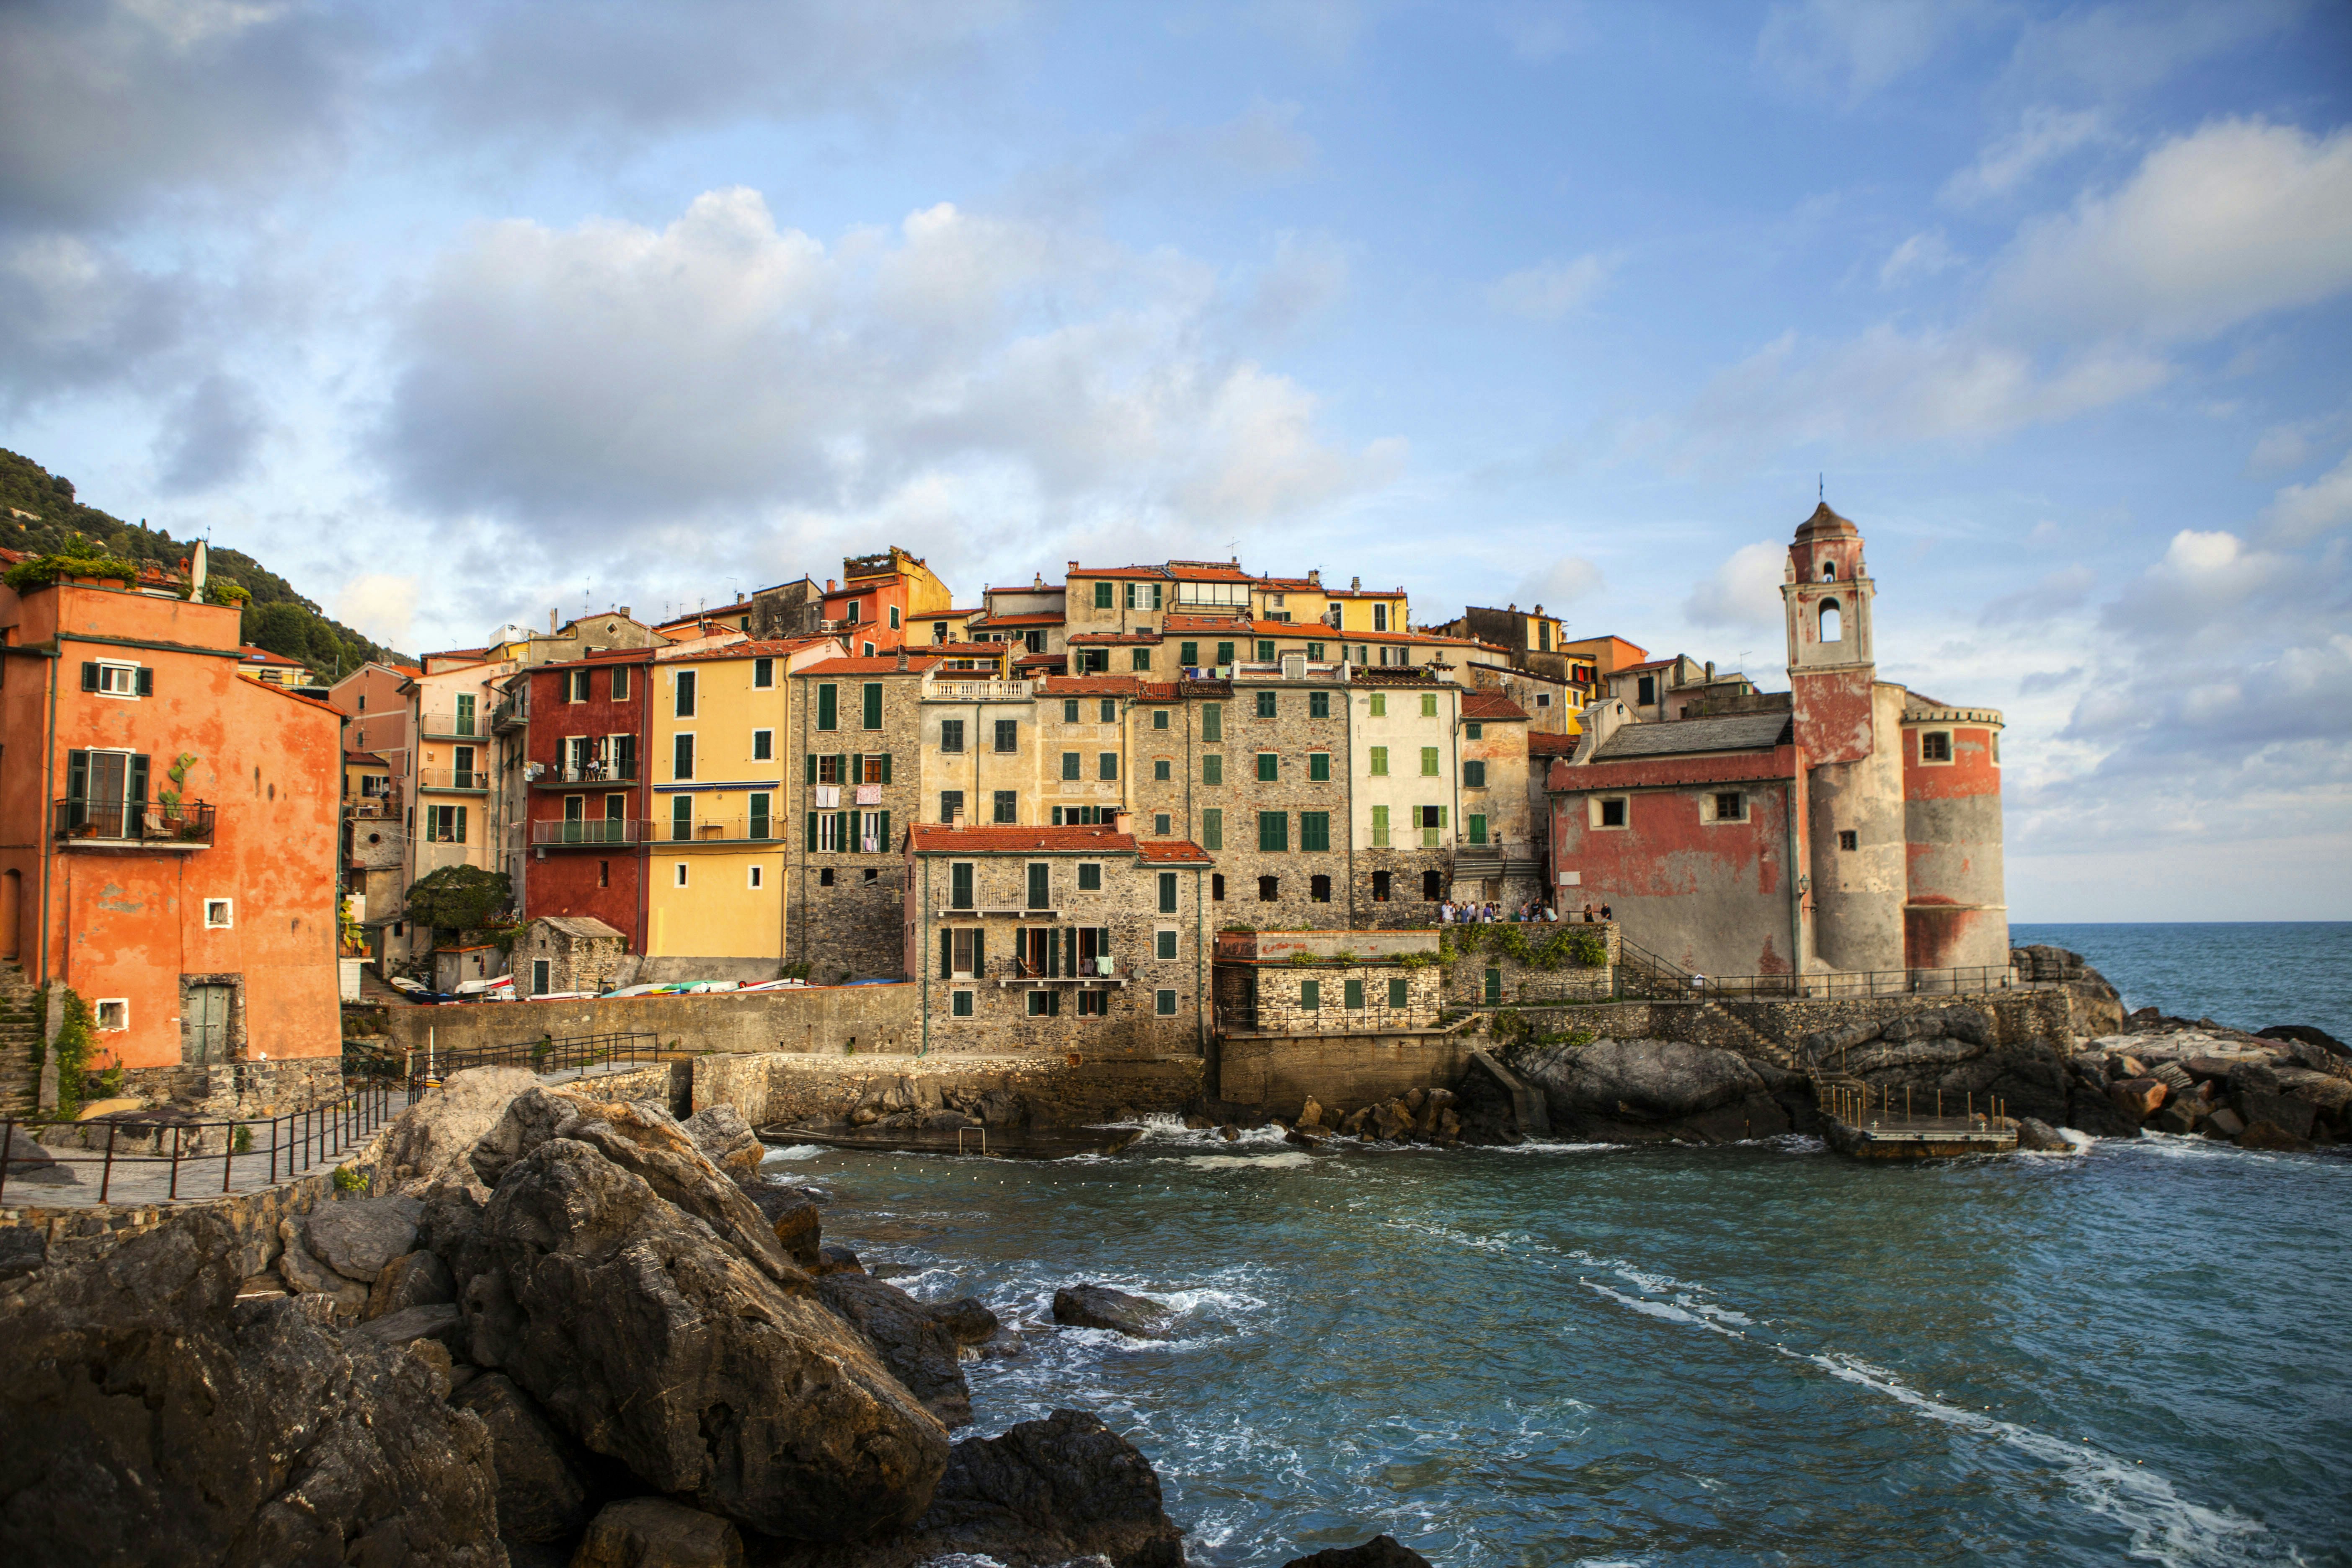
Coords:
1832,622
1829,571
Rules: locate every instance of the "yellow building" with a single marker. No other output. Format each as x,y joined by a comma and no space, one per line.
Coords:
720,722
1361,609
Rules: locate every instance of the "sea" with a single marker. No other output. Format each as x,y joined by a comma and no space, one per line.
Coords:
1588,1353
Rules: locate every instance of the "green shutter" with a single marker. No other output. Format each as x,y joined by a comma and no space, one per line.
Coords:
1269,767
461,826
886,767
1224,653
812,832
1167,892
1319,767
1213,721
1315,830
812,768
979,952
1213,768
873,714
1273,831
1189,655
1477,828
1379,828
1398,993
1310,995
828,707
1213,828
1352,992
882,835
1493,986
947,954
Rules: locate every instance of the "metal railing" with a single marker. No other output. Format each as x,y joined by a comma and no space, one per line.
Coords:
512,712
1018,969
469,780
1853,982
1879,1106
592,830
555,777
453,726
188,824
718,830
578,1053
249,1151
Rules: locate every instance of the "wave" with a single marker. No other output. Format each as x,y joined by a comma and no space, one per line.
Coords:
793,1151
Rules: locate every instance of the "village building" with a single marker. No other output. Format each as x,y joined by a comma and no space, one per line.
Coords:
589,816
1848,825
1403,762
868,608
271,668
1499,854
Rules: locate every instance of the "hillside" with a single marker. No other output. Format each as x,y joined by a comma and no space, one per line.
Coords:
278,619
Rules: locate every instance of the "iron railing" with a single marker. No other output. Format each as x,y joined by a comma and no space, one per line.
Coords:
472,781
109,823
250,1152
578,1053
511,713
556,775
591,831
719,830
1016,969
1853,982
453,726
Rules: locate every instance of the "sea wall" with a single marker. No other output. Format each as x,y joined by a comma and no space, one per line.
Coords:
816,1018
773,1088
1277,1074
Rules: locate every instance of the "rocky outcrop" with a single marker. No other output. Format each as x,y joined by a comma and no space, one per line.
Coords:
438,1132
1101,1307
177,1428
417,1280
2094,1005
1416,1116
793,1218
1649,1090
1380,1552
305,1275
907,1338
357,1236
654,1533
651,1341
721,1133
2276,1091
541,1495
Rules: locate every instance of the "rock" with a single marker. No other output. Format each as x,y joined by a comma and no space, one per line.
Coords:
1380,1552
2307,1035
967,1319
1310,1114
1003,1345
654,1533
28,1161
865,1116
2039,1137
541,1495
835,1260
1652,1088
176,1428
441,1321
306,1276
1048,1491
1230,1133
2137,1096
2292,1116
1101,1307
435,1359
438,1132
415,1279
450,1227
2090,1110
945,1121
2208,1068
2180,1114
2270,1136
2251,1076
1358,1124
529,1119
357,1236
258,1287
793,1215
2225,1123
648,1340
920,1350
721,1133
2127,1067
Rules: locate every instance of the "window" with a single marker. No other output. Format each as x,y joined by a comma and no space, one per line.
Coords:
754,876
952,736
825,875
1161,770
1315,654
1094,1004
220,914
1141,658
1213,828
1069,710
1429,704
1162,824
1473,775
1044,1004
1380,617
1352,995
1319,767
1314,830
681,816
1645,691
681,757
1041,878
1273,831
1266,709
894,617
1224,653
1163,944
758,828
677,874
1494,993
1731,806
1474,730
851,615
1213,721
950,805
114,1013
1832,622
1319,889
1380,829
1432,887
1264,651
576,685
1164,1004
828,768
1159,719
1399,994
1089,877
1849,839
1433,822
1429,761
763,672
1102,596
1381,882
1995,748
1935,746
1213,768
828,707
1216,886
1380,759
1106,766
1007,805
1476,826
1310,996
1269,889
1008,735
1167,892
873,715
604,873
1069,764
1269,767
1109,712
1188,654
686,694
763,745
959,1004
445,824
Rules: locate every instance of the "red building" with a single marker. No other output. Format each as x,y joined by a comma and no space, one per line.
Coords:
588,818
869,607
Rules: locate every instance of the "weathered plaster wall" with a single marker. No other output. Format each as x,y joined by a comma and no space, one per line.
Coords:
815,1018
1858,893
1957,911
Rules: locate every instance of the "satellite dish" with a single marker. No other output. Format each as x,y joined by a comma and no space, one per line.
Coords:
196,574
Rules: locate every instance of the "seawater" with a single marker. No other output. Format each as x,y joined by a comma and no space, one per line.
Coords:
2246,975
1593,1354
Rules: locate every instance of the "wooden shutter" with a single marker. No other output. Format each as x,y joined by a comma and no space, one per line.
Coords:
882,837
979,953
947,954
460,837
812,832
828,707
135,787
886,767
146,682
873,713
89,676
812,767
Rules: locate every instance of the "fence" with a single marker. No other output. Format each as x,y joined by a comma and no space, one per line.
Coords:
576,1054
299,1140
1878,1106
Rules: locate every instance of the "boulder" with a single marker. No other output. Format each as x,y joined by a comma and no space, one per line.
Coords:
907,1338
2037,1137
1652,1088
649,1339
2308,1035
175,1427
441,1321
1392,1120
2182,1113
2251,1076
967,1319
1310,1114
417,1279
2330,1094
1101,1307
306,1276
2284,1112
654,1533
2138,1098
529,1119
450,1227
438,1132
837,1260
357,1236
541,1495
793,1215
721,1133
2225,1123
1380,1552
2270,1136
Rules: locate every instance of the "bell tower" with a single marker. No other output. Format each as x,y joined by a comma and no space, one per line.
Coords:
1825,594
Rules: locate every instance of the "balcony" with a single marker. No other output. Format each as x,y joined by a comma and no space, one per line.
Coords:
452,727
968,912
1093,971
511,713
977,691
133,824
551,777
373,805
595,832
712,831
455,781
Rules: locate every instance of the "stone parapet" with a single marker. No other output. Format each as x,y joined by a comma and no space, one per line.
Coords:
1073,1089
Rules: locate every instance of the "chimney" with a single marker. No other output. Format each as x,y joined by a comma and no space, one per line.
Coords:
902,655
1073,566
1355,585
551,623
1710,672
828,585
624,612
1512,608
955,815
1123,822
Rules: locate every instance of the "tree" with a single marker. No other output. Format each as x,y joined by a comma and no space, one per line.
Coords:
457,898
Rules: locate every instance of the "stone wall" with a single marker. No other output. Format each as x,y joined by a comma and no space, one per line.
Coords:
812,1018
1291,736
241,1089
1524,981
1275,1075
2034,1016
845,913
1405,867
1280,1009
775,1088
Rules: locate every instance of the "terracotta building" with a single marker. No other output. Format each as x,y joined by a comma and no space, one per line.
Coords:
168,836
589,813
1845,825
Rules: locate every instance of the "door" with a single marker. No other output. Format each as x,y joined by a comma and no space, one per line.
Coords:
207,1024
575,813
538,977
464,716
104,791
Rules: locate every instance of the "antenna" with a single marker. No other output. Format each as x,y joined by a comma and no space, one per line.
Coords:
1822,488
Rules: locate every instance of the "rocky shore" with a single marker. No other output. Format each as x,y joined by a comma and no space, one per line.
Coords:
567,1331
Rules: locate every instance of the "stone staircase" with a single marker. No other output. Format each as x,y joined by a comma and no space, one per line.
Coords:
1644,976
23,1018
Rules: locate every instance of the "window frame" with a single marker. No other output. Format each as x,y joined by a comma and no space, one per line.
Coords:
227,911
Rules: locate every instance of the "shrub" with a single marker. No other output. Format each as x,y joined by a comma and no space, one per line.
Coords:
73,1048
1344,959
1588,949
347,1178
1512,940
44,570
240,1140
227,593
1302,959
1423,960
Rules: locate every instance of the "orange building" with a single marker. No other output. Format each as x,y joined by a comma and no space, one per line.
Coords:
167,838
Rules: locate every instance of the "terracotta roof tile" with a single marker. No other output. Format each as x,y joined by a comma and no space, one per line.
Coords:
1109,639
1490,705
939,838
880,664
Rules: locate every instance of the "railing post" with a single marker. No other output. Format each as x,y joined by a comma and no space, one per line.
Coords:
106,1178
8,1147
176,1162
228,1153
273,1150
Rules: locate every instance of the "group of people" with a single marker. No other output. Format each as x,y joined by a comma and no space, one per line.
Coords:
1453,914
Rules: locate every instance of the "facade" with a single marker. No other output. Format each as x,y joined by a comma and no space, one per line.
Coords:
1849,826
567,954
271,668
170,831
1406,774
455,813
1328,982
589,816
1499,854
868,608
1068,939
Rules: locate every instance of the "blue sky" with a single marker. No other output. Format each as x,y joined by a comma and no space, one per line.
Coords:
459,313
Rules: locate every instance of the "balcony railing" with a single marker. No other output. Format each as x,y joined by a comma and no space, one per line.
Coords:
718,830
977,691
453,726
591,831
555,777
1091,971
467,780
511,713
143,824
373,805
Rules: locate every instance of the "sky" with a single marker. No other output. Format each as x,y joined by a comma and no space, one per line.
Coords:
458,313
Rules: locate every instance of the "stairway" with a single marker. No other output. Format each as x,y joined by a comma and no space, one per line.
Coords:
23,1020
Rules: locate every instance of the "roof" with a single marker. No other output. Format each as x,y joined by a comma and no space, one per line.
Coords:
1172,852
368,757
1490,705
1040,661
1110,686
1042,619
940,615
994,650
580,925
1825,524
1157,573
1106,639
1654,664
939,838
249,654
1731,733
1544,744
1364,594
880,664
292,696
752,648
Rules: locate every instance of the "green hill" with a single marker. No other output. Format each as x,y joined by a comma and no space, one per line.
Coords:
278,619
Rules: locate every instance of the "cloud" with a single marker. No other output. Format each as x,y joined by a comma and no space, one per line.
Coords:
2120,50
1565,582
2042,137
74,315
382,605
2041,680
1542,30
1923,255
1548,292
1854,46
2301,513
1744,592
2057,592
664,388
2201,578
211,436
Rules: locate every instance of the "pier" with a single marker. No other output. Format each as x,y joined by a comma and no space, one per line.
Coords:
1863,1122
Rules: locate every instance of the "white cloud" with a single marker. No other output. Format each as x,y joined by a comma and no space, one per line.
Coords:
1853,45
2120,50
2044,136
1566,580
1541,30
1548,292
1924,255
2301,513
2058,591
2201,578
1744,592
382,604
